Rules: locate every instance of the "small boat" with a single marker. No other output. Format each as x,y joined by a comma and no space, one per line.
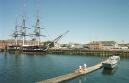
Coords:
111,62
117,58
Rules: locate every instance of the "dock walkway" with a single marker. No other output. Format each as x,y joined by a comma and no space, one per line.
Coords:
71,75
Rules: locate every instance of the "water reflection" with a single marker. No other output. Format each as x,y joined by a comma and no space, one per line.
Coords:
82,79
109,71
5,55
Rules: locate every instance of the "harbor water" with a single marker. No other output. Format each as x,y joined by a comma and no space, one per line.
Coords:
32,68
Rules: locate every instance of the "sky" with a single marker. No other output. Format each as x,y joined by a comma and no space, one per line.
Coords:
87,20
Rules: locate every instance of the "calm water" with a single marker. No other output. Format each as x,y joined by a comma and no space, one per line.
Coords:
29,69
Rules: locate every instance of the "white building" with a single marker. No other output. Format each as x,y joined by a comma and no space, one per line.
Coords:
76,46
106,45
109,45
123,46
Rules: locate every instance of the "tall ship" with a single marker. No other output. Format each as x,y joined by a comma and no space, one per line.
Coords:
35,45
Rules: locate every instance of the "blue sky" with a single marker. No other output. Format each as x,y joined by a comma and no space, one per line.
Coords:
87,20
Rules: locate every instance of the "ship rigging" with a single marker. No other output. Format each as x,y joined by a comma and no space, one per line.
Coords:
22,33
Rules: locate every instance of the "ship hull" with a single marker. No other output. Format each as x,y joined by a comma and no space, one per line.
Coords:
27,49
109,65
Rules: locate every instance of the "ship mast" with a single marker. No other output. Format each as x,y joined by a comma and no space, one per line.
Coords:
15,34
23,31
37,31
23,26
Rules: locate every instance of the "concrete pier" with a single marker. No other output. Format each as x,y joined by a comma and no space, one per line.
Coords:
71,75
102,53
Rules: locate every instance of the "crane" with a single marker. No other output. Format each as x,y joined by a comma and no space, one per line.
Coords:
56,40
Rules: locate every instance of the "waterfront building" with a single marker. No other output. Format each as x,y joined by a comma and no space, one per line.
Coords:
2,44
124,46
76,46
63,46
95,45
10,42
105,45
109,45
56,46
6,43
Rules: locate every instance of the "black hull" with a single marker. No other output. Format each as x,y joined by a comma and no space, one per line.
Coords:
27,49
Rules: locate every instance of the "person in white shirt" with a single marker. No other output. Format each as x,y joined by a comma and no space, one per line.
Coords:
80,68
85,66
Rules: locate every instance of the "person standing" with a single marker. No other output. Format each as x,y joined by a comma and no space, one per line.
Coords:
85,66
